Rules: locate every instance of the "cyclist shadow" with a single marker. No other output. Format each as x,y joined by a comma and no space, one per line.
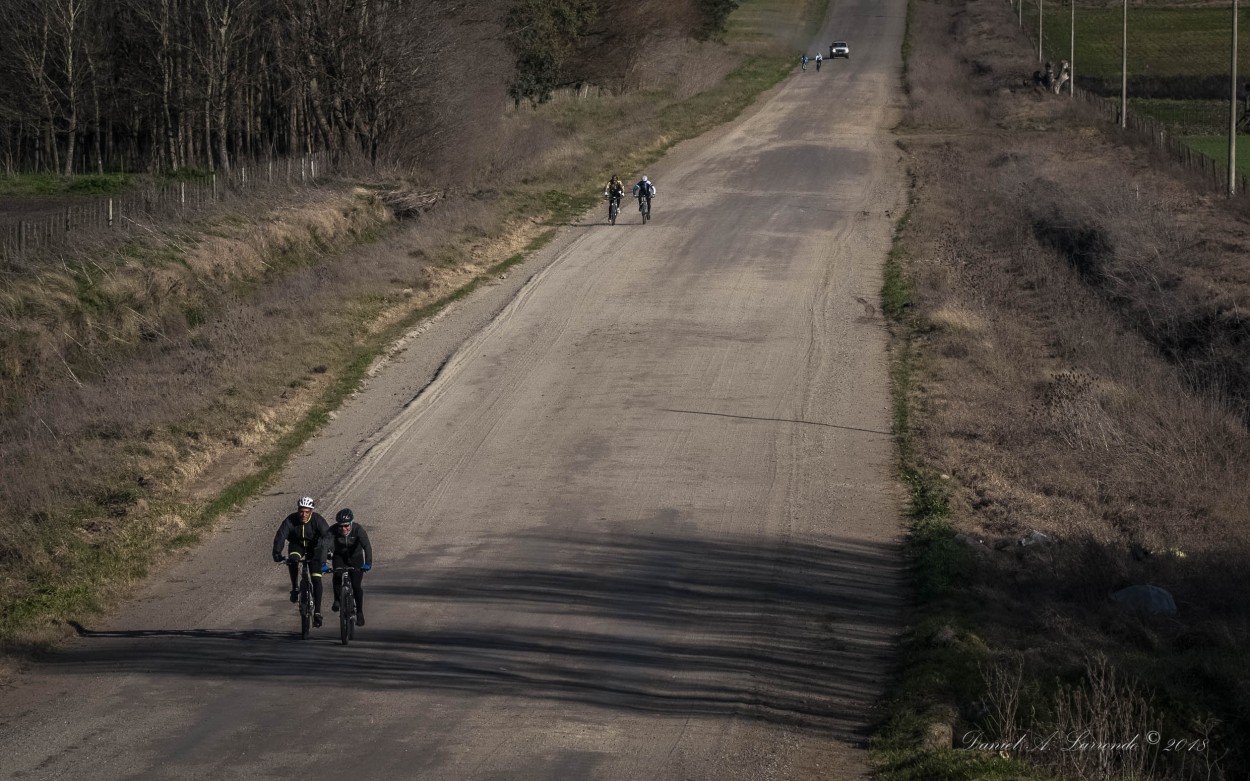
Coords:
589,223
240,635
592,219
793,632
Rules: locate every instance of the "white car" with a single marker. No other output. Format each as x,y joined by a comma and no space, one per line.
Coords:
839,49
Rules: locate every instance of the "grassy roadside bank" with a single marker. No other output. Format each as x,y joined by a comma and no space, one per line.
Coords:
1061,444
250,374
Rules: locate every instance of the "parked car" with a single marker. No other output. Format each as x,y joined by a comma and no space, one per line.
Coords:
839,49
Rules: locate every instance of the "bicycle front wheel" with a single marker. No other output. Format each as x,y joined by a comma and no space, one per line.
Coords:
347,619
305,610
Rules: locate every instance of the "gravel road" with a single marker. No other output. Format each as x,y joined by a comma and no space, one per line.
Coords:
633,506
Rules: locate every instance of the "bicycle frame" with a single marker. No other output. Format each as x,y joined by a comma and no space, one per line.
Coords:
306,606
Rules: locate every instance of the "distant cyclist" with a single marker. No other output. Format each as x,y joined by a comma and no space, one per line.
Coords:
818,63
614,192
644,191
351,549
803,61
307,536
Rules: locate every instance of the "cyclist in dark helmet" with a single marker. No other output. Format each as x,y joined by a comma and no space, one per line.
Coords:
307,536
351,549
614,191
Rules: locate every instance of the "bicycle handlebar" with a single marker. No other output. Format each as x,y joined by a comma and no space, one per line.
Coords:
296,559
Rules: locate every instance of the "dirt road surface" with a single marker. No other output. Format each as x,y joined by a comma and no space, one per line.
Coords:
632,507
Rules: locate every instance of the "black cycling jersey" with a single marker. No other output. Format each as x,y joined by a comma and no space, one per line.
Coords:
352,548
311,539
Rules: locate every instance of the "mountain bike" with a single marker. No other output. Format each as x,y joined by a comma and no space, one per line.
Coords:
305,601
614,208
347,604
644,208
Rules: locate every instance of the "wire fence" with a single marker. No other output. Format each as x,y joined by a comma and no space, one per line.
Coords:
1213,172
122,214
1178,76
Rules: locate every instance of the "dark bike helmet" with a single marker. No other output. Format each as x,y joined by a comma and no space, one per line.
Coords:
344,518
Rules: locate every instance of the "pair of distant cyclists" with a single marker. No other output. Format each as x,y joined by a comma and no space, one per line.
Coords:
644,191
307,536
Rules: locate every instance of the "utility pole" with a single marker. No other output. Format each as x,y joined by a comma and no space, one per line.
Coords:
1124,71
1232,116
1072,51
1039,30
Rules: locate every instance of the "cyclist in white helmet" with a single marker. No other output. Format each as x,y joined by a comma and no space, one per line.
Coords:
307,536
644,190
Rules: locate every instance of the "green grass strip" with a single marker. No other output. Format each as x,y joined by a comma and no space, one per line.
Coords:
54,184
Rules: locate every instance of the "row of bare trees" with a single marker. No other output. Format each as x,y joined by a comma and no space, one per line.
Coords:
96,85
164,85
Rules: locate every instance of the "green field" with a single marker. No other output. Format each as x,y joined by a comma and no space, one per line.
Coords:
1179,54
1162,42
1186,117
1217,147
54,184
768,23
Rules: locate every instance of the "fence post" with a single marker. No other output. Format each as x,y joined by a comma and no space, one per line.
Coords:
69,213
214,186
110,215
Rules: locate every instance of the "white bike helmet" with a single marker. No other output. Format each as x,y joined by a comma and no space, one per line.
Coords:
307,502
644,178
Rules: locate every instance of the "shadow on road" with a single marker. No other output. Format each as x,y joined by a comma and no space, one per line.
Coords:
794,633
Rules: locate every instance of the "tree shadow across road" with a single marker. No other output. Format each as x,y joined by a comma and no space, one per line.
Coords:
796,633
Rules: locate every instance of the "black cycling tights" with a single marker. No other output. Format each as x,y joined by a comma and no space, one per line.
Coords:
293,566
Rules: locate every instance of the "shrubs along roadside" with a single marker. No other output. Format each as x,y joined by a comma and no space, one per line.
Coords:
1069,367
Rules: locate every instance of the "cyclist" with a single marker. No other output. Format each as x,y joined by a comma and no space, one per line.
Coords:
803,61
645,189
614,192
351,549
307,536
818,58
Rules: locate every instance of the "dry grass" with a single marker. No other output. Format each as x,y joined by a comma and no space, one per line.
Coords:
139,381
1084,374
